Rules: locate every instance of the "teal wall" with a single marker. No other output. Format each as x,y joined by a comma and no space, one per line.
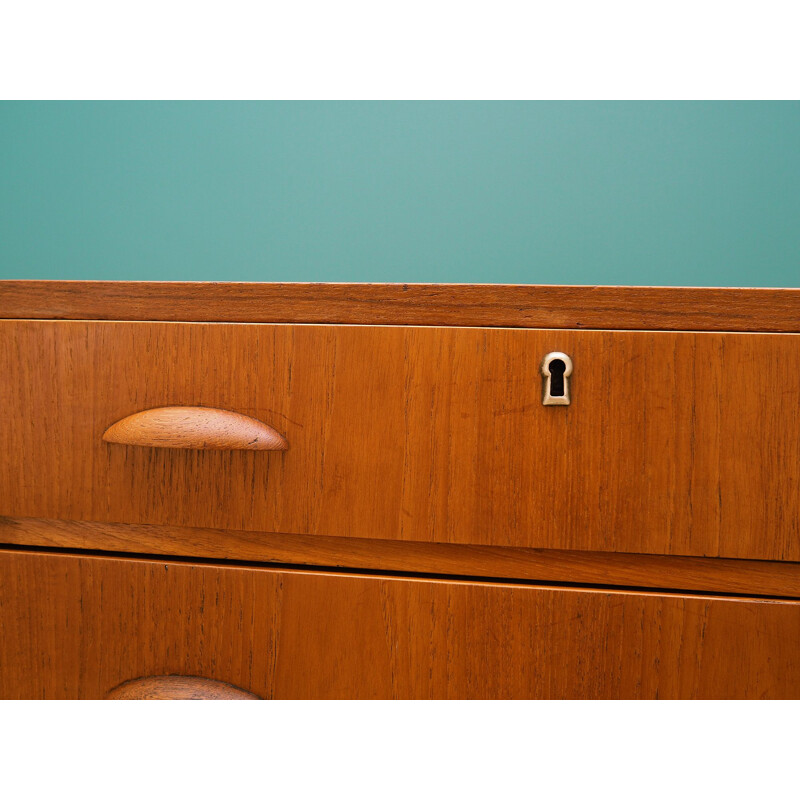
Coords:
488,192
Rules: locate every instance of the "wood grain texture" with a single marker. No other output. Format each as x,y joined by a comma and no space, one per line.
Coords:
194,428
75,627
602,307
177,687
734,576
672,444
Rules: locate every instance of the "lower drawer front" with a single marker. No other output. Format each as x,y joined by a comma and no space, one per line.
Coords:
73,626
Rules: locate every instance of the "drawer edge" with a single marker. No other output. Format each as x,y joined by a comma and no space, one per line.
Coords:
628,570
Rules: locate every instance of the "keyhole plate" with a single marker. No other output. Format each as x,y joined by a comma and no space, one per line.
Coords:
556,371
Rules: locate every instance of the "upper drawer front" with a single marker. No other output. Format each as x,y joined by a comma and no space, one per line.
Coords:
681,443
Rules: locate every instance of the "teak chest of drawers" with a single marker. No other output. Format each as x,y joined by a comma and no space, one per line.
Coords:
356,491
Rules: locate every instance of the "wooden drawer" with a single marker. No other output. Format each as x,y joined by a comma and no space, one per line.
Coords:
675,443
75,626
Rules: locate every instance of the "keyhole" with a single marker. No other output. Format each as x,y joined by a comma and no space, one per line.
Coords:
556,370
557,367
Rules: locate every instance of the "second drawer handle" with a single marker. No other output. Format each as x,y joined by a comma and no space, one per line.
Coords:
194,428
178,687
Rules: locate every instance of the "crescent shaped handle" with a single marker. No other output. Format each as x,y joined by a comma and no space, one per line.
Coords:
194,428
178,687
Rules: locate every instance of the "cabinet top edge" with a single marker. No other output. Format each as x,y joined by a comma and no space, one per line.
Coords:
488,305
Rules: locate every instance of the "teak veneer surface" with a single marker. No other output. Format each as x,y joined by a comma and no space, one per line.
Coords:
608,307
79,626
732,576
675,443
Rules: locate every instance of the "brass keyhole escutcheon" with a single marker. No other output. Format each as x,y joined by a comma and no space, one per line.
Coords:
556,372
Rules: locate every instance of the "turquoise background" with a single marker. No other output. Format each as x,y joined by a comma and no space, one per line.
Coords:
701,193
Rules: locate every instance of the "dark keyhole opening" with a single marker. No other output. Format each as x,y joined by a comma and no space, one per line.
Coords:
557,367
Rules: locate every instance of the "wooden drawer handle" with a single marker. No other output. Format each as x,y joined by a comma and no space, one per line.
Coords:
178,687
194,428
